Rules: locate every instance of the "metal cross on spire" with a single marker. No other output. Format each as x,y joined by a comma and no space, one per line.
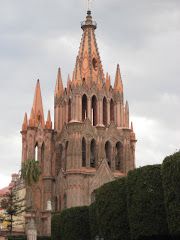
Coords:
89,1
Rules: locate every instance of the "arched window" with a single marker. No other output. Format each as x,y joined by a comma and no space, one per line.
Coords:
69,110
112,111
36,152
56,204
59,159
84,107
93,154
94,111
104,111
42,159
83,152
118,157
65,160
108,149
59,203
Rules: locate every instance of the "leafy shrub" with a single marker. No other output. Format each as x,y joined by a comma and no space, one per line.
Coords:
13,237
71,224
24,237
55,227
43,238
171,185
93,221
112,210
145,199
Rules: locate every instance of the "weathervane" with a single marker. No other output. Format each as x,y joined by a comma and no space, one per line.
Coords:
89,1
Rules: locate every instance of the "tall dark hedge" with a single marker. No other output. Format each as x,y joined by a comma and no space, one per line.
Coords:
112,210
55,227
145,199
171,185
75,223
93,221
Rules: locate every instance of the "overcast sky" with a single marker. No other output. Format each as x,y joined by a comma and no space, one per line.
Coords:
38,36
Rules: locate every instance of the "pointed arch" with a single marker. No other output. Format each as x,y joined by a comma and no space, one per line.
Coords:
66,153
108,150
112,111
94,110
83,152
105,111
42,158
69,110
59,159
36,152
93,154
119,157
84,107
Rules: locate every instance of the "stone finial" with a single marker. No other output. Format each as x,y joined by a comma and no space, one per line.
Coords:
37,114
49,122
108,83
68,83
118,86
32,119
59,85
133,136
25,123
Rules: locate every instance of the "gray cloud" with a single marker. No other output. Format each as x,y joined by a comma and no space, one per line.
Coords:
36,37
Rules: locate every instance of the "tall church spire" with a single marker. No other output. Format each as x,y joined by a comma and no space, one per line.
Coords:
118,86
59,85
89,58
37,114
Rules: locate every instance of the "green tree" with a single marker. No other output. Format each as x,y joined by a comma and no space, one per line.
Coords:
30,173
10,203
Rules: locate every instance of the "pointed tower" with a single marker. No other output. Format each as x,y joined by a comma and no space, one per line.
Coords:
89,58
118,86
59,85
25,123
108,81
37,114
49,122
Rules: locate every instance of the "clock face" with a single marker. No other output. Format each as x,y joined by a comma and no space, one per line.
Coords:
85,63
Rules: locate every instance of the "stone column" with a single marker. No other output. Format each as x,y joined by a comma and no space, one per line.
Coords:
88,155
118,114
108,111
80,109
32,232
77,107
115,114
100,112
121,115
89,108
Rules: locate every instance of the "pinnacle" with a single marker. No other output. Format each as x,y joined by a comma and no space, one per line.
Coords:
25,123
118,87
59,85
49,122
37,109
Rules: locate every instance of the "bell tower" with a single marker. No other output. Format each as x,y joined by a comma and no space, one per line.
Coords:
92,142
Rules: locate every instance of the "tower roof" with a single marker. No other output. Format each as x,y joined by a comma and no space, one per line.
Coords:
37,114
88,58
118,86
59,84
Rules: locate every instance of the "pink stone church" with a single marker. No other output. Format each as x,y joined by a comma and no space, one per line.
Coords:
91,143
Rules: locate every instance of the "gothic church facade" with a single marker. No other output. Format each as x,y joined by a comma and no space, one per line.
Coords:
91,143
